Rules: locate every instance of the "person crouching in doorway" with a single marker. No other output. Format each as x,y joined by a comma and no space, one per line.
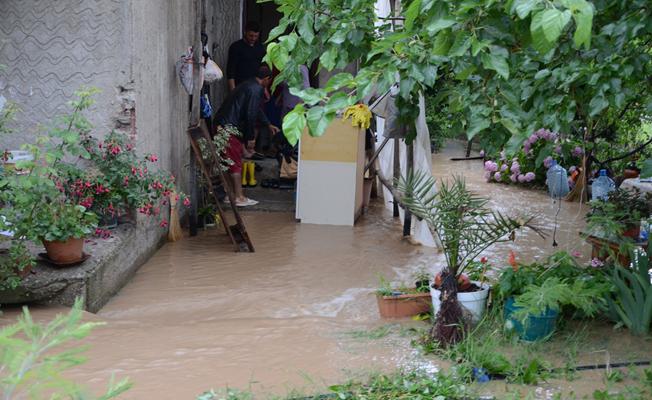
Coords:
241,109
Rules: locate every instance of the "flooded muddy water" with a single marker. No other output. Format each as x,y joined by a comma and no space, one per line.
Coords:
294,314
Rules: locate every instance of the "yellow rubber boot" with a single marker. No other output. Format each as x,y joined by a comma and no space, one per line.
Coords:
245,169
251,168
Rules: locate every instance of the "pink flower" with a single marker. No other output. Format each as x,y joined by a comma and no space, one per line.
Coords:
186,202
164,224
576,254
152,158
597,263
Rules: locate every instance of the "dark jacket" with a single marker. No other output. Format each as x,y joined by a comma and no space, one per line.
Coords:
242,108
244,60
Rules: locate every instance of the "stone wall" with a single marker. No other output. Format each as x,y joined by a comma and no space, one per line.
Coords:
127,49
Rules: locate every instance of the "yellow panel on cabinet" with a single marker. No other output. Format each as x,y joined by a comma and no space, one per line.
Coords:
339,143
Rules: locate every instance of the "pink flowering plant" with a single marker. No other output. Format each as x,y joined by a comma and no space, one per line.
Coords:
529,163
126,180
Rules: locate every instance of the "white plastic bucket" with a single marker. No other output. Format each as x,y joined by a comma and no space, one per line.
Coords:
474,302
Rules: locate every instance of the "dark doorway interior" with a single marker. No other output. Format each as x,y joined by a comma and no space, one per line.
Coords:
266,14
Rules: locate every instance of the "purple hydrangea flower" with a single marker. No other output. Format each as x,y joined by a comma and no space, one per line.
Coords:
516,168
497,176
558,149
521,178
513,177
578,151
490,166
482,153
547,162
503,168
530,176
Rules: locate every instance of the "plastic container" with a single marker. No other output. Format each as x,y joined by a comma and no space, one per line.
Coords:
536,327
557,178
602,186
474,302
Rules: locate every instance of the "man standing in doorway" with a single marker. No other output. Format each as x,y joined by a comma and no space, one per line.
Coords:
241,109
245,56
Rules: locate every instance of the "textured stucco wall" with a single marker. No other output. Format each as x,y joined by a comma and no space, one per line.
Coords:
127,49
51,48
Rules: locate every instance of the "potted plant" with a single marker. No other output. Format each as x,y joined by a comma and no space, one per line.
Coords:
533,314
465,227
620,215
402,302
473,290
535,294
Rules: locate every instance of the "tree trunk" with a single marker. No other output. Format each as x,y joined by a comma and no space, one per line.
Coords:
449,323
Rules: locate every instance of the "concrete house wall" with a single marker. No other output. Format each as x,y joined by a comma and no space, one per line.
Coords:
127,49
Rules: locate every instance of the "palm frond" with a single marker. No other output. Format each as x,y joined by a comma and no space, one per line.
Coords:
459,218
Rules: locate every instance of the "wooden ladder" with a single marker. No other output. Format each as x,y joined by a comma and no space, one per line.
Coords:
211,167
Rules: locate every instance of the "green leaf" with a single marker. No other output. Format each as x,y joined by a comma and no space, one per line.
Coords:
584,24
442,43
439,24
544,73
412,13
597,104
524,7
278,30
553,23
477,124
318,120
310,96
338,81
338,102
305,28
294,123
460,45
329,58
646,171
496,63
539,40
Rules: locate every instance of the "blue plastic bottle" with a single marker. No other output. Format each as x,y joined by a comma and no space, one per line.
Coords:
557,181
602,186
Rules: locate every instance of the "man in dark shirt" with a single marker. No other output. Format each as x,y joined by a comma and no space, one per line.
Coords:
245,56
241,109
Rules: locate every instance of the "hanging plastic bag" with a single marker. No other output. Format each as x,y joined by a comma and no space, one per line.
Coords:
212,72
184,70
206,108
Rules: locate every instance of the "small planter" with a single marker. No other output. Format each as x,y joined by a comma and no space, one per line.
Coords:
403,305
537,327
366,191
68,252
474,302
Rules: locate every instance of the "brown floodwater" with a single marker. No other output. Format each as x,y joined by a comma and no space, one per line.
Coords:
295,314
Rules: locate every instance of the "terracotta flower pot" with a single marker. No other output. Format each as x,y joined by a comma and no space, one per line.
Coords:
403,305
69,251
630,173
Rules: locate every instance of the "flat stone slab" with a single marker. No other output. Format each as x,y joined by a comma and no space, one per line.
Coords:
112,263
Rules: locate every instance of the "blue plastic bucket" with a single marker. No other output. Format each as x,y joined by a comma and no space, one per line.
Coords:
536,327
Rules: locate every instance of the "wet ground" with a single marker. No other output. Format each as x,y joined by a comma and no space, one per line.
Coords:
297,313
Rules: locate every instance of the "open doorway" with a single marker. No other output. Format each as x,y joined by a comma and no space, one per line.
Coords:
266,14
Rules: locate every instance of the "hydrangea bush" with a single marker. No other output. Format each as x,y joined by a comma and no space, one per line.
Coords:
529,164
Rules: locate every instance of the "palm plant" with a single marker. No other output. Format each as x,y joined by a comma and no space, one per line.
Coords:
465,227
